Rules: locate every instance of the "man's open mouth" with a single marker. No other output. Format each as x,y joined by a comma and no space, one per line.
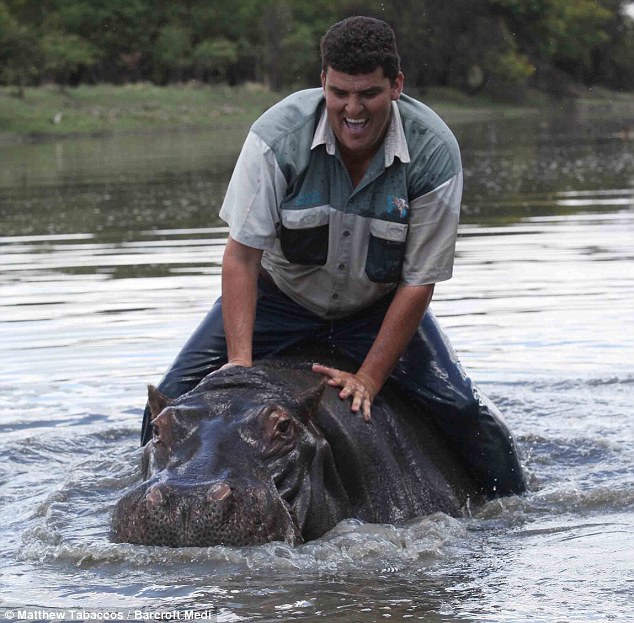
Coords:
356,125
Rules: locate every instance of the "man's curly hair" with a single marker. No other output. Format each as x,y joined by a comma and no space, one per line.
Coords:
358,45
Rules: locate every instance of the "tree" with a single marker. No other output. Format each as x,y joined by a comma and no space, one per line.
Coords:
558,36
20,52
121,31
172,53
500,46
214,58
613,61
65,54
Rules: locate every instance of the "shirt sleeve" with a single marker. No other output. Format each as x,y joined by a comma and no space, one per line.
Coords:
255,191
431,237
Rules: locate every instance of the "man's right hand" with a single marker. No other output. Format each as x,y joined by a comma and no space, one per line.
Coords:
236,362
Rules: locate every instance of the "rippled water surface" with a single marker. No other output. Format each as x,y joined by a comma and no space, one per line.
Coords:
109,256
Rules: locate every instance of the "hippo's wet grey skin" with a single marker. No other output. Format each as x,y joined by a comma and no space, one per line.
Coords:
268,453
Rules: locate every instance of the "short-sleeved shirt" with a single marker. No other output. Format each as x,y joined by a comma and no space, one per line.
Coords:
331,247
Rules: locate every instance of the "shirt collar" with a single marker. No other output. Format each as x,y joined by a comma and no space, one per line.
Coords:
395,142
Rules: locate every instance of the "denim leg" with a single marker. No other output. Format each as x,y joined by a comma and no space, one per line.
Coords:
279,324
430,373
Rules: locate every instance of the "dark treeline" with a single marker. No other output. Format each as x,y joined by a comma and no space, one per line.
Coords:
497,46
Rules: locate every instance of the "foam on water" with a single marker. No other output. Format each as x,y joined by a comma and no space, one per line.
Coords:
72,525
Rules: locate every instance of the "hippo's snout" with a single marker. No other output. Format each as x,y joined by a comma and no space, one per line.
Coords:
157,495
201,515
218,492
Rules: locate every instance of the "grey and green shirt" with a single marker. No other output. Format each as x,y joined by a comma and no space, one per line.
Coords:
332,248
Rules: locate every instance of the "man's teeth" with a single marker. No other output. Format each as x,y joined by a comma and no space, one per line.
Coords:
355,121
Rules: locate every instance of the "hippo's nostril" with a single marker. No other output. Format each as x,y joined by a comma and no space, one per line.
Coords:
155,496
218,492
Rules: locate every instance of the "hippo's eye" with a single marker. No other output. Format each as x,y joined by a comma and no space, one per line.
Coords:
283,425
278,427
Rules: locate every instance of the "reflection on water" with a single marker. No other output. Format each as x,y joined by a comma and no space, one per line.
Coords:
110,253
553,296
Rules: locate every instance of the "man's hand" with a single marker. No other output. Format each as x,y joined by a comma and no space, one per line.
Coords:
358,386
236,362
399,325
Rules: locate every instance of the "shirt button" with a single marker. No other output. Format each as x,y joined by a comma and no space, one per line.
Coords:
346,233
341,266
335,296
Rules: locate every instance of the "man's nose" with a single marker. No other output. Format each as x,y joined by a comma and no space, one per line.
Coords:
354,106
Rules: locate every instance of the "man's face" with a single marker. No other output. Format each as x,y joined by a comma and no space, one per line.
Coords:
359,108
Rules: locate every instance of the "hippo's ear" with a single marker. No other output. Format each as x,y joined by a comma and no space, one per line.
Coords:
156,400
310,399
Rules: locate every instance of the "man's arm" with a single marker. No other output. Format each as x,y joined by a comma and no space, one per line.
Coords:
399,325
431,237
240,269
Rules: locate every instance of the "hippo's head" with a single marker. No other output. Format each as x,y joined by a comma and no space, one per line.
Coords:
238,461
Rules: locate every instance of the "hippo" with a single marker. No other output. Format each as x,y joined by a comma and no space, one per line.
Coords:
271,453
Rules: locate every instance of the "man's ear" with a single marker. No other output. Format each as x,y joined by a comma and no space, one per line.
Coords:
156,400
310,400
397,86
323,79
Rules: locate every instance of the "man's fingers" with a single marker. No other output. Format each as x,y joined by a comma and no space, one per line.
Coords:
325,370
230,364
357,401
363,403
236,361
346,391
367,411
359,387
335,376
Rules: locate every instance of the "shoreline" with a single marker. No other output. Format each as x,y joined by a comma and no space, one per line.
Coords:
48,113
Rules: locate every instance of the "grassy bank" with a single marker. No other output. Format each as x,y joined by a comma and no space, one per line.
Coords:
47,112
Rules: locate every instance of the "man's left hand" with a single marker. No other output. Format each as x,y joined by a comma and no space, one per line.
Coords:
358,386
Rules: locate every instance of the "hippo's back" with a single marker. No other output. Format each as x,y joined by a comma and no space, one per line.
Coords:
393,468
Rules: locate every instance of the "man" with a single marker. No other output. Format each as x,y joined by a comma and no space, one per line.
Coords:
343,211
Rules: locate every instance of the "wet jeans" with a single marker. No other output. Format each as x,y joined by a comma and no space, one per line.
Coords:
428,372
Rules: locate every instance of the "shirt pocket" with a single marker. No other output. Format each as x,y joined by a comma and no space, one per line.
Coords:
304,235
386,251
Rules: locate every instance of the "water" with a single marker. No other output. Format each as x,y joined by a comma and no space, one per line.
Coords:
110,254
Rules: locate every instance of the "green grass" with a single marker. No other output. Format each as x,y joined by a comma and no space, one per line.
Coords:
49,112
